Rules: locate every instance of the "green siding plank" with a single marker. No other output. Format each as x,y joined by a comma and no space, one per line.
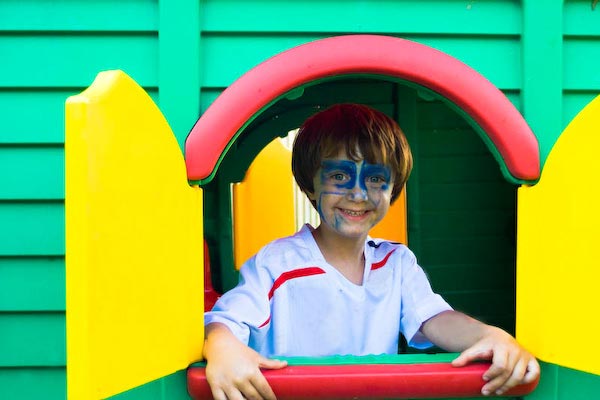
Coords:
514,96
467,223
32,284
33,383
170,387
450,169
429,16
179,63
32,339
581,58
468,277
32,173
437,116
36,116
472,302
580,19
33,116
452,143
467,196
238,54
482,250
543,71
497,58
74,60
68,15
574,102
208,96
32,228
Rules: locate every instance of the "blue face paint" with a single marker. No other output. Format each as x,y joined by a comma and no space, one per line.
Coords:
346,180
342,175
374,177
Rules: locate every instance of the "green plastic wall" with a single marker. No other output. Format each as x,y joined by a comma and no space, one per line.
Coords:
560,383
543,54
461,213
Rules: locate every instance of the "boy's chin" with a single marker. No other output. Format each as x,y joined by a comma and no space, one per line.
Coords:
348,230
356,233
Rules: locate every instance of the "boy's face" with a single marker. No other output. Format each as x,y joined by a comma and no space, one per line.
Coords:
351,197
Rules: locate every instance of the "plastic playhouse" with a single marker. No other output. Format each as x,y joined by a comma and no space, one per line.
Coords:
149,233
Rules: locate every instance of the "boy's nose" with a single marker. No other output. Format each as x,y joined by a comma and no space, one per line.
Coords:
357,193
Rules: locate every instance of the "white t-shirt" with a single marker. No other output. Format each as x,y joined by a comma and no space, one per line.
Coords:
291,302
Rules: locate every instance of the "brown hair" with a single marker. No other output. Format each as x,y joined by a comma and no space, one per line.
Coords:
351,127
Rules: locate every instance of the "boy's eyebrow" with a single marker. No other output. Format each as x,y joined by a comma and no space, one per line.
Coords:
377,168
346,165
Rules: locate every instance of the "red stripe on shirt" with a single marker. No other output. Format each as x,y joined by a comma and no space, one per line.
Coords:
296,273
266,322
381,263
286,276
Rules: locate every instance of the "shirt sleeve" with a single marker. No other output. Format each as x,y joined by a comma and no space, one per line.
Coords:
246,307
419,302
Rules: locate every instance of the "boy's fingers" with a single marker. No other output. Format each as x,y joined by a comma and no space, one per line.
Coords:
250,392
494,384
233,393
498,367
262,387
533,371
218,394
515,378
498,373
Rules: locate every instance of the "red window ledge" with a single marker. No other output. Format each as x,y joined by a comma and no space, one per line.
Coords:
368,381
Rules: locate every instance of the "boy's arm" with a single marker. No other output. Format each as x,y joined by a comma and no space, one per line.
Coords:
233,369
511,363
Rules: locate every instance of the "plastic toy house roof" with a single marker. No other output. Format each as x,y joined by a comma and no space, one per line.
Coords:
498,122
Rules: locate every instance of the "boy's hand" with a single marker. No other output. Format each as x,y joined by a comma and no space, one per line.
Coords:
233,369
511,364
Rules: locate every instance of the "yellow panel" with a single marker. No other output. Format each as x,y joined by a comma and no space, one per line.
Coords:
263,204
558,250
393,226
134,243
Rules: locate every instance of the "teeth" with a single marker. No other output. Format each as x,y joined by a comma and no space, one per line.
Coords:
354,213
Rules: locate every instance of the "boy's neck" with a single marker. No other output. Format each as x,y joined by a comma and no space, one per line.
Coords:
344,254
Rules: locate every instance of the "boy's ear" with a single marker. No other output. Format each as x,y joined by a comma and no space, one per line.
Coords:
310,195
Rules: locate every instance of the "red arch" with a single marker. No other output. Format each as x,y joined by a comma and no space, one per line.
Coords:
363,54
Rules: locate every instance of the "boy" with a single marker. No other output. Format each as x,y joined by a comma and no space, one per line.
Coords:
333,290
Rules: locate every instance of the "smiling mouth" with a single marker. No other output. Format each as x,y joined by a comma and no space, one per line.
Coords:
353,213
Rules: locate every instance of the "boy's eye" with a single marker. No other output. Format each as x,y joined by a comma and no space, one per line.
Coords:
376,176
375,179
338,177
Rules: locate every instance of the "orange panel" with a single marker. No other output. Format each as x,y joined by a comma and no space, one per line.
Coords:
393,226
263,204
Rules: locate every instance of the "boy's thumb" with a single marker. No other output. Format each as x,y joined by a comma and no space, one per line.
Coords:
470,355
271,363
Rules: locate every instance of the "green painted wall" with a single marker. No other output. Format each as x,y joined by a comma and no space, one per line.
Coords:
560,383
544,55
461,213
171,387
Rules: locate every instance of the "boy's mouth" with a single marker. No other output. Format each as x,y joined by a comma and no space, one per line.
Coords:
353,213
